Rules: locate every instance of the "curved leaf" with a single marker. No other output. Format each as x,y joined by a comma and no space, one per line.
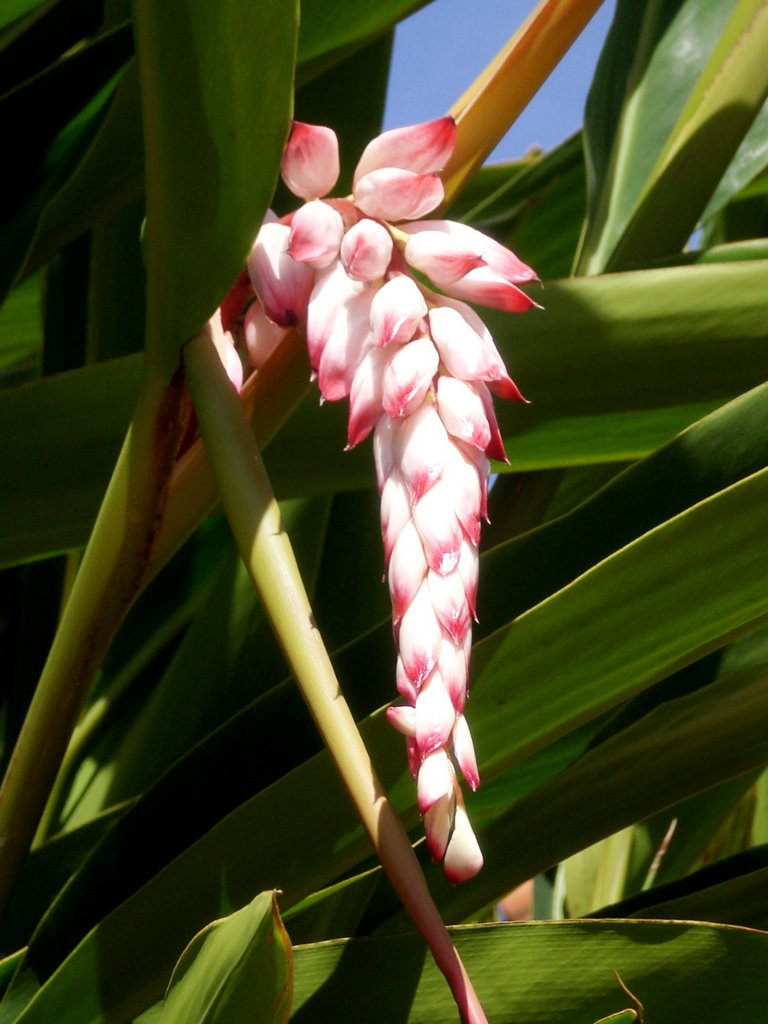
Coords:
217,93
235,969
652,59
543,972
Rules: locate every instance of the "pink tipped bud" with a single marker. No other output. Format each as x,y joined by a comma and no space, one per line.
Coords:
422,148
463,412
435,716
500,259
405,687
436,780
403,718
385,449
464,752
422,443
487,288
310,166
407,570
395,512
468,570
282,284
397,310
466,347
365,409
316,233
452,667
262,336
440,532
419,637
495,447
332,290
463,857
450,603
408,376
438,822
466,483
345,347
366,250
442,258
392,195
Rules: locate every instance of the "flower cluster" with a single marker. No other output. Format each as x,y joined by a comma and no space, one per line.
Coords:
418,367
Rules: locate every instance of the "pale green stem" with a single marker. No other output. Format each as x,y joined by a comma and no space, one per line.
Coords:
108,579
255,519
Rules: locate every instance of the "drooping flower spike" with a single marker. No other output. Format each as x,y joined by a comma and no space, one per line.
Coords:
418,367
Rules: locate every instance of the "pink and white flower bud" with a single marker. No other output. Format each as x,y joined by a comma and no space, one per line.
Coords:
463,857
421,148
452,664
467,353
385,450
392,195
438,821
403,718
439,528
262,336
442,258
464,751
316,233
345,347
462,411
310,166
435,716
395,512
422,445
492,254
332,291
365,406
450,603
407,570
487,288
397,311
408,376
282,284
468,569
406,689
366,250
436,779
466,483
419,637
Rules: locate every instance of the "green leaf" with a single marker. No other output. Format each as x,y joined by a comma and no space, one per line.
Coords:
727,97
731,891
235,969
651,61
51,138
20,333
110,173
542,972
54,499
751,159
217,94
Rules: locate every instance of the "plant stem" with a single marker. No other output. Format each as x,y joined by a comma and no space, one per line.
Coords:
254,516
106,584
502,91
